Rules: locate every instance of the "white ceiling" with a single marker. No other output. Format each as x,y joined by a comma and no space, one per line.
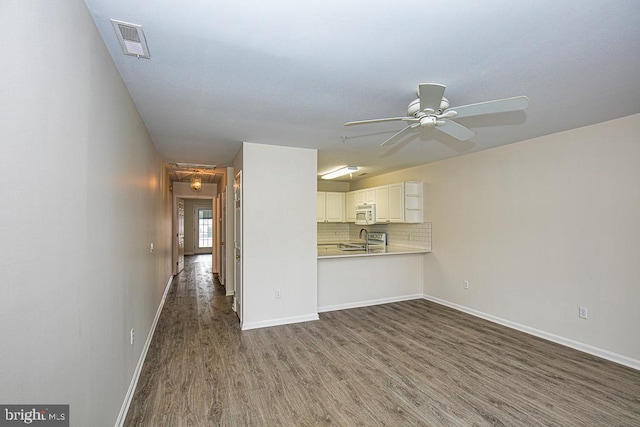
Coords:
288,72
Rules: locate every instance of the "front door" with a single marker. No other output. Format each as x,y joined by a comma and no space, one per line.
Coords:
203,230
238,245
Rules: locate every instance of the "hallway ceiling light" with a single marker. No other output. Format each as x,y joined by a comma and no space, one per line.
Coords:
196,183
345,170
197,166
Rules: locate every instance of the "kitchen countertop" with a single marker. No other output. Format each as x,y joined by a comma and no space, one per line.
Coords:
330,250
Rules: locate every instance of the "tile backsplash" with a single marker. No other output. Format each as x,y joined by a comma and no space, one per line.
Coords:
333,232
410,235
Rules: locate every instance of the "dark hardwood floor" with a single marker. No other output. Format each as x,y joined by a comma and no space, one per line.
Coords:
411,363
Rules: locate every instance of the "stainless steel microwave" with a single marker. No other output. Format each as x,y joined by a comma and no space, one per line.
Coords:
365,214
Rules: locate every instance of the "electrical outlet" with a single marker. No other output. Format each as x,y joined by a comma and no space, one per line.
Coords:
582,312
151,247
133,334
466,284
277,293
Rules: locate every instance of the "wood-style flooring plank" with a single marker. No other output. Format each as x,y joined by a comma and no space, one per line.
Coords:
413,363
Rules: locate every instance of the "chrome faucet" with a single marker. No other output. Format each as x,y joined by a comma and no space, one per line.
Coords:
366,236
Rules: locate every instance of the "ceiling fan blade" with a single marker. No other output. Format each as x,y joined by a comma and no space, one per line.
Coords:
389,119
430,95
393,140
490,107
456,130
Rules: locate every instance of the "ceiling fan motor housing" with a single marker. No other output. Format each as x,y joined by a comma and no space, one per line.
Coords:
414,106
428,121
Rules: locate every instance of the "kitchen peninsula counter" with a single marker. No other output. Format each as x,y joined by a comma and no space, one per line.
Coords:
331,250
349,279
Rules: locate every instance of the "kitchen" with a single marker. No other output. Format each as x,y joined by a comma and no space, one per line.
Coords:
371,244
538,227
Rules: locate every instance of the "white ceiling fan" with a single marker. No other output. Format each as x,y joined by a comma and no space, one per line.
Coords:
431,109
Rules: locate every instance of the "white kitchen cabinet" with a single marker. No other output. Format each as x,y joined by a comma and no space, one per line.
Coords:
390,203
396,203
413,202
350,206
369,196
365,197
335,207
321,206
382,203
330,207
355,198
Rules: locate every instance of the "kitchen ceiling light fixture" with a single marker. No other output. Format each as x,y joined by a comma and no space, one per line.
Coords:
196,183
343,171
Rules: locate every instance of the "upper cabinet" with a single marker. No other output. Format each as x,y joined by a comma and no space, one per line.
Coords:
413,202
321,206
395,203
382,203
330,207
350,206
369,196
390,203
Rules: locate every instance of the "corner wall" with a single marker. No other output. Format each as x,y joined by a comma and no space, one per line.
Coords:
540,228
77,271
279,235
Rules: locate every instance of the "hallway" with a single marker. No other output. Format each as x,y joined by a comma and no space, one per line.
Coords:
178,384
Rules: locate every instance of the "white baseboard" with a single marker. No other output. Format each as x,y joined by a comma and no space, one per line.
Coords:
275,322
368,303
595,351
136,373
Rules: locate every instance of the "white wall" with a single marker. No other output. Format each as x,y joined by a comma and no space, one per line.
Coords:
83,194
279,234
540,228
325,185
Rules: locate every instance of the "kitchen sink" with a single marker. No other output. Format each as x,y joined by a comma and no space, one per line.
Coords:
361,247
352,246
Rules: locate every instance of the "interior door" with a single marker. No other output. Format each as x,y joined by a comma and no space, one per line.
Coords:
238,245
223,239
217,258
180,235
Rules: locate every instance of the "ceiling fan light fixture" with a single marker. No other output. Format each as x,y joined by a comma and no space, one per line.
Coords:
340,172
196,183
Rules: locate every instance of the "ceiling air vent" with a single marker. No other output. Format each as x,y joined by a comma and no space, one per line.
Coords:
131,38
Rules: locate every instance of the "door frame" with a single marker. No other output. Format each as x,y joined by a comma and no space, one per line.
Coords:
196,229
238,300
179,266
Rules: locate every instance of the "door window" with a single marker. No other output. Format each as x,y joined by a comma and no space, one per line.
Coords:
205,228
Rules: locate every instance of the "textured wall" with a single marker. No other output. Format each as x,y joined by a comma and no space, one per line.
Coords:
87,196
540,228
